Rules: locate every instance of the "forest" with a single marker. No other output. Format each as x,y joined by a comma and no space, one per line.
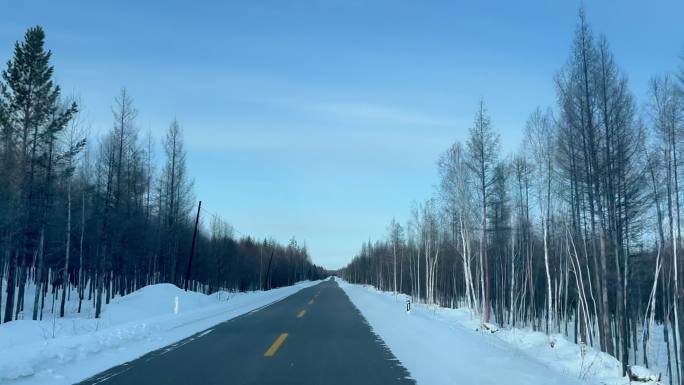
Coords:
578,232
102,216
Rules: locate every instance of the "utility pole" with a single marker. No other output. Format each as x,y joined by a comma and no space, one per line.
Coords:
268,273
192,247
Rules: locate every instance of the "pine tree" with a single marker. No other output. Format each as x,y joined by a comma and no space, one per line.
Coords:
33,117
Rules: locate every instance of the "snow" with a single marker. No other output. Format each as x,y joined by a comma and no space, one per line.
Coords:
442,346
67,350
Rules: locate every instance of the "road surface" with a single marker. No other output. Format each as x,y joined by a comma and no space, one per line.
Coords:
315,336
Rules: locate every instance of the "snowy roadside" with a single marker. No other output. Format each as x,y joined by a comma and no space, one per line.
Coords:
442,346
67,350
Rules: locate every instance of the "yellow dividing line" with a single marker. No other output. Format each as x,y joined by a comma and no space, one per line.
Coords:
311,302
301,314
274,348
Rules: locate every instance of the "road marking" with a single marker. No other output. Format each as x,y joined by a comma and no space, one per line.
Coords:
311,302
301,314
108,376
274,348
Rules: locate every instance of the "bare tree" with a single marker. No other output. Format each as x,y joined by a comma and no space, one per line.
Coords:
483,147
540,141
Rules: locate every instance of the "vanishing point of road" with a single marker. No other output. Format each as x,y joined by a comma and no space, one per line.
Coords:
315,336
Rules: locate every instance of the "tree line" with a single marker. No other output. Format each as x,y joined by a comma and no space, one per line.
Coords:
578,232
103,218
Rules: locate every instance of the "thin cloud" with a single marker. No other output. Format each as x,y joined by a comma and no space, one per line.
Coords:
375,113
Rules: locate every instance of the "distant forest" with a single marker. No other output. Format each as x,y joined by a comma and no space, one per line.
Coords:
578,232
102,215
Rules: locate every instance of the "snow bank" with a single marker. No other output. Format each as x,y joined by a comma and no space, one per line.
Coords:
67,350
443,346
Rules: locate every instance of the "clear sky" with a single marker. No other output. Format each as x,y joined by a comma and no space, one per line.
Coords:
324,119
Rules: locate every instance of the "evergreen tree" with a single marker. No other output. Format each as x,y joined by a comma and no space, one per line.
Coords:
33,117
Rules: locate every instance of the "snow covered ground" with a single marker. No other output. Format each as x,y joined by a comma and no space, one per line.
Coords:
441,346
66,350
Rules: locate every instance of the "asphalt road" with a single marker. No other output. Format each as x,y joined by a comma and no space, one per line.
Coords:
315,336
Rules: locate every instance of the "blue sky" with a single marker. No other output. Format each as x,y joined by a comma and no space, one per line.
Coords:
324,119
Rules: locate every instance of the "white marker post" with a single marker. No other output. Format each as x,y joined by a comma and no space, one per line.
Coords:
175,305
408,306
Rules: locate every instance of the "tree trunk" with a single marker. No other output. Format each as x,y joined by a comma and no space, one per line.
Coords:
65,276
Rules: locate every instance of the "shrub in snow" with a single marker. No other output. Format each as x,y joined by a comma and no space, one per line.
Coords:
490,327
640,374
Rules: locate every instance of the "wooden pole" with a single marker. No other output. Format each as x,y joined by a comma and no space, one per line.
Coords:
192,248
267,284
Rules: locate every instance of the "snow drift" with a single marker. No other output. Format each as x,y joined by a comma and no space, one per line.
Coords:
441,346
67,350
